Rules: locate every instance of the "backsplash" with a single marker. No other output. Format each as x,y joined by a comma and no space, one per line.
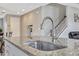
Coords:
72,24
76,17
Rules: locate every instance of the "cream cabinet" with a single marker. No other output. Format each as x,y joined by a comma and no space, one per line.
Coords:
13,26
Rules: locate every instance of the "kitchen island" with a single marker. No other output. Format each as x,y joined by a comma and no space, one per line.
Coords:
72,48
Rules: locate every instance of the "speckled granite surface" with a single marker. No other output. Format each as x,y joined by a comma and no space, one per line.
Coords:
71,50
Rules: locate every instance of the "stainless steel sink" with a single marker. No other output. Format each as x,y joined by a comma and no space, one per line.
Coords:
44,46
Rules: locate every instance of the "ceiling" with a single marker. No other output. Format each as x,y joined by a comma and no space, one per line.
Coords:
19,8
75,5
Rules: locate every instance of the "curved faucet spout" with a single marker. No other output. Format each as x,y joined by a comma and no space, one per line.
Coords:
51,30
46,18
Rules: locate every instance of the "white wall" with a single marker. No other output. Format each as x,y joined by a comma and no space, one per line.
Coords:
72,26
5,25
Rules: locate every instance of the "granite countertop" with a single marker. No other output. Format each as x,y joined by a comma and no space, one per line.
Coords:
60,52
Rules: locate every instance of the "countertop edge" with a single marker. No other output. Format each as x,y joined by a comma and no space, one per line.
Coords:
26,52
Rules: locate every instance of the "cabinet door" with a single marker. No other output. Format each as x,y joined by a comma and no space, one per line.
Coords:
13,26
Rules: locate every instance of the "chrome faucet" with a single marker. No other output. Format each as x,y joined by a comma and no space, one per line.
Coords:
52,30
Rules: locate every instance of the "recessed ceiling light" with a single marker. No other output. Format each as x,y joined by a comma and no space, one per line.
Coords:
23,9
3,11
18,12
